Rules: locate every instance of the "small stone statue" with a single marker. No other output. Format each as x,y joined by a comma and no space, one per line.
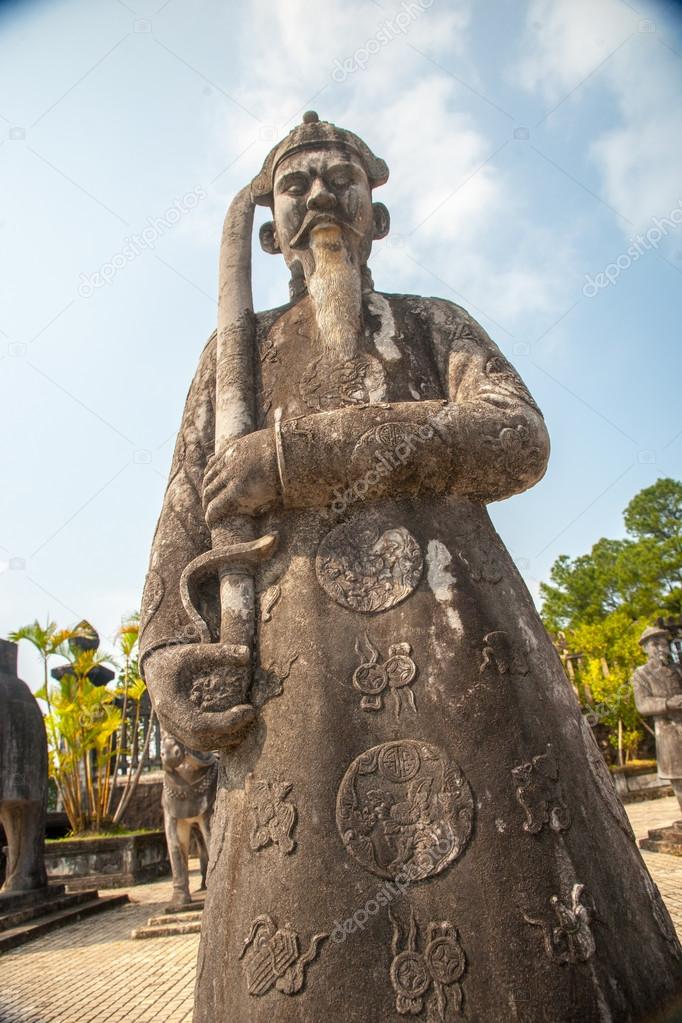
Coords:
23,777
658,694
189,787
328,604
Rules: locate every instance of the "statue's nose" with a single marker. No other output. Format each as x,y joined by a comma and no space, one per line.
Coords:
321,198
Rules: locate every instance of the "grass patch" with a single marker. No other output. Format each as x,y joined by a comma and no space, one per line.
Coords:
116,832
634,767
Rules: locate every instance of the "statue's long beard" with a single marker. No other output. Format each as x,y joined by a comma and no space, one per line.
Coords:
335,287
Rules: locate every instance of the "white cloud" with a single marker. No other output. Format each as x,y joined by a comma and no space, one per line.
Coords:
639,157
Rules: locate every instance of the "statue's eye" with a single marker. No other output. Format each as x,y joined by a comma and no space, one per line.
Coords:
296,188
340,181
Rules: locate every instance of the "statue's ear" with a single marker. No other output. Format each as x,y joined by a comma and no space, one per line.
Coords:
382,221
268,238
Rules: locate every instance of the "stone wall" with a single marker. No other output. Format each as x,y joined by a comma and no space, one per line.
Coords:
145,809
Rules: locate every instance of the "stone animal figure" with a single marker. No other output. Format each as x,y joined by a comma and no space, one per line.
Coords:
23,777
189,787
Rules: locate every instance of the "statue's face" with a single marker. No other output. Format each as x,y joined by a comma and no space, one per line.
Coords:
658,648
320,186
172,752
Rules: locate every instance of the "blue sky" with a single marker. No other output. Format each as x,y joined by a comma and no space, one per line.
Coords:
528,144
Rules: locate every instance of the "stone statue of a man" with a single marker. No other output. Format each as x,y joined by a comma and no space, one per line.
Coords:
658,694
411,818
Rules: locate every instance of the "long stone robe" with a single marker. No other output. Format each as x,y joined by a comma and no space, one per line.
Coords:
420,823
653,684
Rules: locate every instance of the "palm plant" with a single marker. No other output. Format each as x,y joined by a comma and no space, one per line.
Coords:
132,690
80,725
48,641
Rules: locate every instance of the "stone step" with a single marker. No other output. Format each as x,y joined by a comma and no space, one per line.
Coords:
169,930
661,846
90,881
51,903
197,904
170,921
51,921
9,901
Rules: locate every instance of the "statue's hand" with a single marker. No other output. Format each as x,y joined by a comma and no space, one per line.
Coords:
242,478
198,693
674,702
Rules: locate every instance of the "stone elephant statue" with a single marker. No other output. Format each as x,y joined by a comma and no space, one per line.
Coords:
189,788
23,778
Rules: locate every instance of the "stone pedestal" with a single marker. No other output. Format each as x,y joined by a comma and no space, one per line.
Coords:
664,840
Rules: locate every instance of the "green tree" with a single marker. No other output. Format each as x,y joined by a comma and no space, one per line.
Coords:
640,575
602,601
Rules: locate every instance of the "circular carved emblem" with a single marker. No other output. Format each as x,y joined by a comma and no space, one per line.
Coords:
366,568
404,806
370,678
445,960
409,975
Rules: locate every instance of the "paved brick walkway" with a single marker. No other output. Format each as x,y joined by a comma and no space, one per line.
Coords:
92,972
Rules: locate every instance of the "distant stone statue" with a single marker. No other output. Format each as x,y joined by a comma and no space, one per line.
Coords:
410,818
23,777
658,694
189,787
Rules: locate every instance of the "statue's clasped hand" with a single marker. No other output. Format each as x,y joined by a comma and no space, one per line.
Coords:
198,691
242,478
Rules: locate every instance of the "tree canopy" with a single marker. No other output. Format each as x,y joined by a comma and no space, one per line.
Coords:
600,603
640,575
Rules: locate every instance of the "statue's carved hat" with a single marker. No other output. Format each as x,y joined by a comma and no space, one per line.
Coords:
652,632
313,133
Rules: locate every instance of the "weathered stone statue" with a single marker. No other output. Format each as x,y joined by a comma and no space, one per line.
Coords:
412,817
189,788
658,694
23,778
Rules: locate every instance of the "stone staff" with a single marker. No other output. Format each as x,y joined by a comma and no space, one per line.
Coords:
236,550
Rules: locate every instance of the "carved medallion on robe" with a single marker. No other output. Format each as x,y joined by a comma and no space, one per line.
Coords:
539,792
429,979
366,567
603,779
272,957
404,808
328,385
376,678
273,816
568,937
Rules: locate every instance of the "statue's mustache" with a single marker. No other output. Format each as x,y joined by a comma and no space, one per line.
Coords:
312,220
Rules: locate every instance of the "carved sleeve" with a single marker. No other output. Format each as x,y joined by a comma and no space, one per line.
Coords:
486,440
181,533
647,704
